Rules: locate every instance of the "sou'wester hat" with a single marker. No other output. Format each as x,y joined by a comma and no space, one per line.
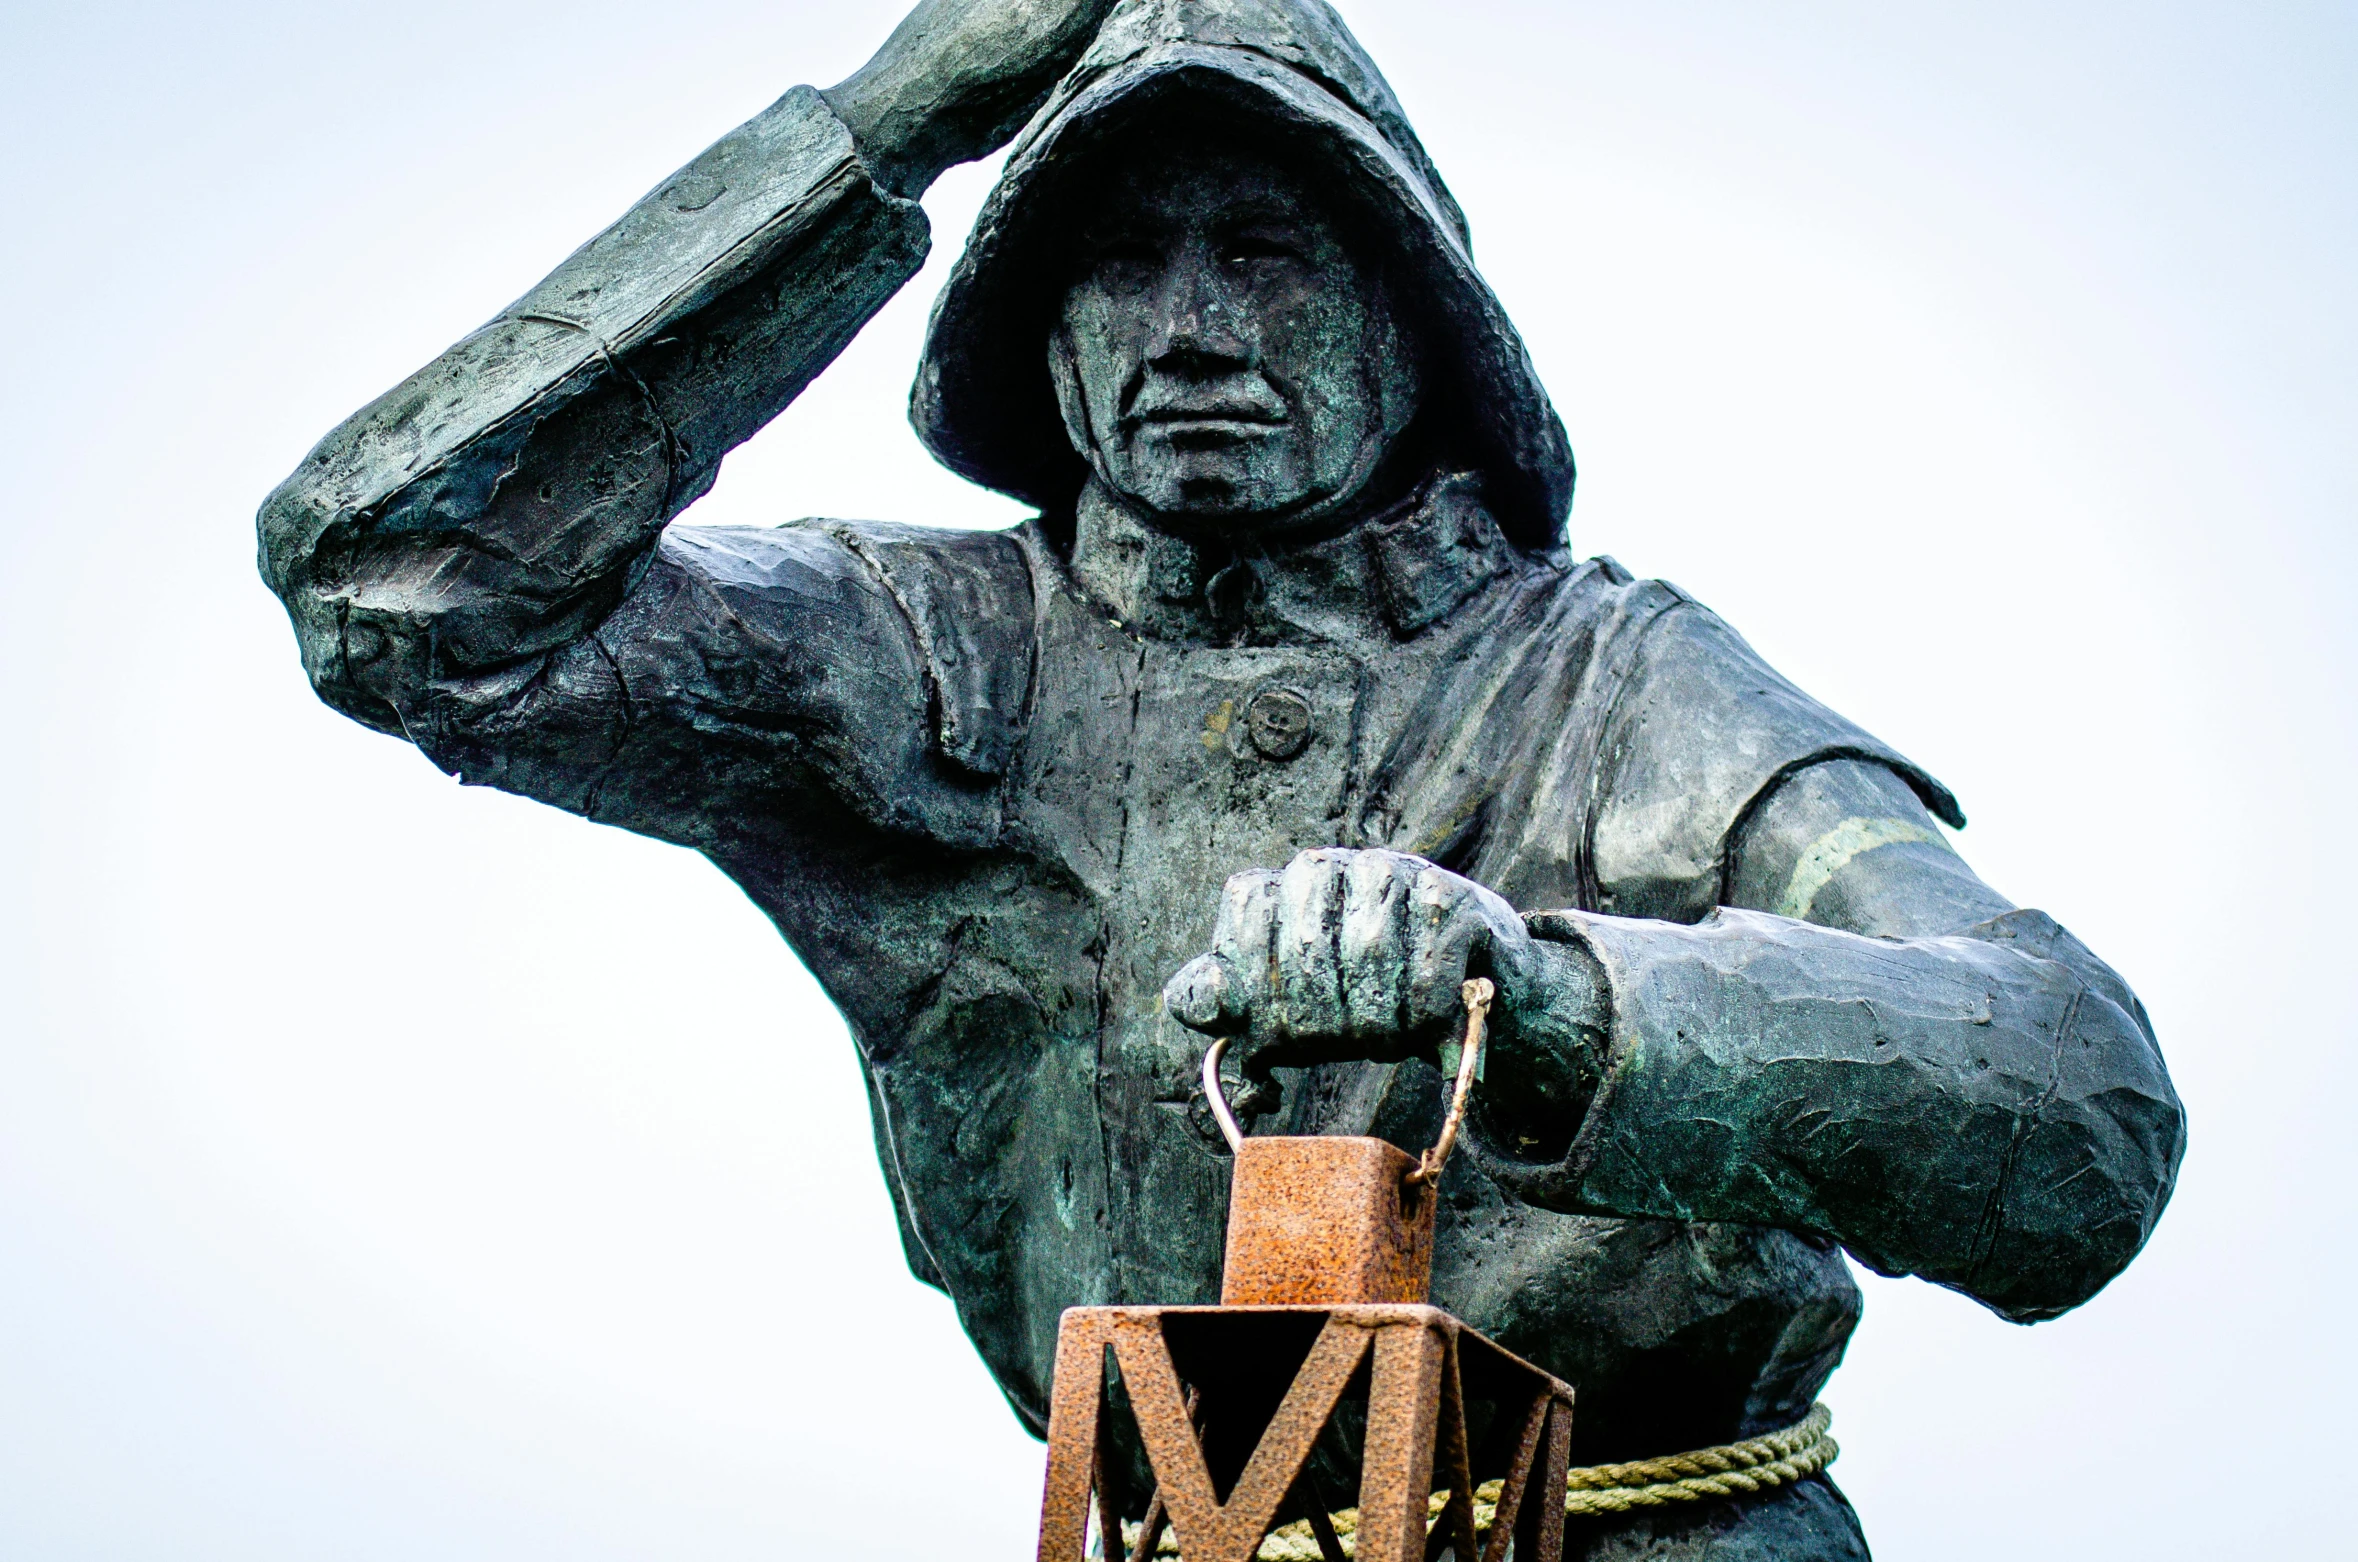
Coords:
983,403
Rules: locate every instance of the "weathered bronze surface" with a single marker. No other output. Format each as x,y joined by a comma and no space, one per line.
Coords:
1290,709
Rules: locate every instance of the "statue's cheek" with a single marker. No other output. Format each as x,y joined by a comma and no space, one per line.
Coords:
1105,327
1105,354
1308,332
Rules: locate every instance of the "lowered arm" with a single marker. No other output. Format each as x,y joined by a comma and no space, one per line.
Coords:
1866,1043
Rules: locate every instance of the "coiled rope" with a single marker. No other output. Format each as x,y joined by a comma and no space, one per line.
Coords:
1731,1470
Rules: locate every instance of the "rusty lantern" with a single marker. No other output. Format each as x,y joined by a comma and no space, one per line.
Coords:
1323,1305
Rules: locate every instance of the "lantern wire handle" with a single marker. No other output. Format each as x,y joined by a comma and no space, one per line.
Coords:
1478,993
1218,1098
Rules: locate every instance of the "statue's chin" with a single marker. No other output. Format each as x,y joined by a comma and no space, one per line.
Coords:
1206,498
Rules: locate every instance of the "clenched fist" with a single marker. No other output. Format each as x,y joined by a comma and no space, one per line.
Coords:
1360,955
956,79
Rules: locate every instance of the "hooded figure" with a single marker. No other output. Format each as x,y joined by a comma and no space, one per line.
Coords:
997,788
1287,72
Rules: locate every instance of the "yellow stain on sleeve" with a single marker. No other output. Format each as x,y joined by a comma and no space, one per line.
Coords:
1830,853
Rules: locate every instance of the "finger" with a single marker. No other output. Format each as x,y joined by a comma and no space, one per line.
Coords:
1244,935
1378,887
1198,997
1493,939
1309,976
1448,928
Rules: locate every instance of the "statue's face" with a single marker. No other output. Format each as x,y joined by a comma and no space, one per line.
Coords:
1223,358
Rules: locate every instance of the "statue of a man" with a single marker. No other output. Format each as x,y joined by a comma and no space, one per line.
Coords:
1291,698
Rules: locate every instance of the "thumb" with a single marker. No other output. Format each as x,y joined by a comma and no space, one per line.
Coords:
1201,997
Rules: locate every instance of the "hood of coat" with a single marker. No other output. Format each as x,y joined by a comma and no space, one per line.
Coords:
983,402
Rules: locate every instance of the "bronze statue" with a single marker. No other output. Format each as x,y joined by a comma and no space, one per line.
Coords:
1291,697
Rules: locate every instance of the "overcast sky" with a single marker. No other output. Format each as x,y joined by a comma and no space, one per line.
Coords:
390,1171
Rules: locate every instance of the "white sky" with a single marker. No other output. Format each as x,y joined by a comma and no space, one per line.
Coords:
388,1171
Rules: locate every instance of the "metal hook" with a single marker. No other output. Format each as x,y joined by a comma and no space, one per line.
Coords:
1218,1099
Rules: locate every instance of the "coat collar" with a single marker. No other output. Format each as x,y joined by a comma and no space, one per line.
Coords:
1398,572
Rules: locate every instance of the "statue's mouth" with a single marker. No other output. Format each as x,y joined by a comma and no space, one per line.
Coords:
1210,421
1201,434
1202,407
1236,405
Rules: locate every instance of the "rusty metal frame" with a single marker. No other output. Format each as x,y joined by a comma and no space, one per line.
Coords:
1415,1358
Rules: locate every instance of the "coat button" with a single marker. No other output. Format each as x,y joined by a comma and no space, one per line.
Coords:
1279,723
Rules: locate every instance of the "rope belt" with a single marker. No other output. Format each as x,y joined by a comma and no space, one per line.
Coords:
1731,1470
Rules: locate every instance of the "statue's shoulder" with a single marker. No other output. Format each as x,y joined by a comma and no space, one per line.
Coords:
1696,728
1601,744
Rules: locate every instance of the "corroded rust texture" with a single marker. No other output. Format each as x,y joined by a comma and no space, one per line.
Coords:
1225,1486
1403,1402
1326,1221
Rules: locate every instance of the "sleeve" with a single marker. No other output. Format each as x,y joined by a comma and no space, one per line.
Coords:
886,667
1987,1110
471,561
1696,733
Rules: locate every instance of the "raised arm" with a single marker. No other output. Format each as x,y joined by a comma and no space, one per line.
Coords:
457,557
1870,1044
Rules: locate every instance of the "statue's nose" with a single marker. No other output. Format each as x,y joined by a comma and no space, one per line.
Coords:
1198,324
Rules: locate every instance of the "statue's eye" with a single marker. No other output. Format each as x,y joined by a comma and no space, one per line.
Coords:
1247,248
1126,262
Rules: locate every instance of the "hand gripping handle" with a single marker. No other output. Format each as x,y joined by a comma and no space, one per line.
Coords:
1478,993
